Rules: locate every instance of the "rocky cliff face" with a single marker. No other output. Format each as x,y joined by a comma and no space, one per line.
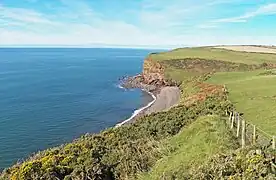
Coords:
151,78
153,72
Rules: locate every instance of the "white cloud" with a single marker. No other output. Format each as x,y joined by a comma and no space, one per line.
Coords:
89,28
158,15
268,9
22,15
207,26
220,2
76,23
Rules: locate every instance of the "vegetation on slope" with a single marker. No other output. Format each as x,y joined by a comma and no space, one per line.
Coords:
175,142
203,139
215,54
207,150
117,153
251,88
252,93
249,163
249,78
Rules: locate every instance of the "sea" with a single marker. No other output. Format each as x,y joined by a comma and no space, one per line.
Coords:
50,96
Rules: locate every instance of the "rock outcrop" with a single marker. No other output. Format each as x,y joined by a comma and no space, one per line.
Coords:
152,77
136,82
153,72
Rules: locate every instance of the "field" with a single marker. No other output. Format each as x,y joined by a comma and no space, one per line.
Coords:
216,54
189,141
259,49
252,93
251,90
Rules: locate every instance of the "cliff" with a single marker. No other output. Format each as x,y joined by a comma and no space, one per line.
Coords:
151,78
153,72
185,142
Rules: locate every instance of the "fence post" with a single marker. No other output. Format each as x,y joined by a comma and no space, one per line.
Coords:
273,143
254,135
233,119
243,133
238,124
230,117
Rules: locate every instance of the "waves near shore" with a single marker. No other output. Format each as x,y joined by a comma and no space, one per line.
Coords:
166,98
138,111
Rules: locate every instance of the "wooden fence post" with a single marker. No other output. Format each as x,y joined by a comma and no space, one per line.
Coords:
254,135
273,143
243,133
238,124
233,119
230,117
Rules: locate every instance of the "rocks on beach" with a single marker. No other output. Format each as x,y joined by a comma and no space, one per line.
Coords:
166,95
137,81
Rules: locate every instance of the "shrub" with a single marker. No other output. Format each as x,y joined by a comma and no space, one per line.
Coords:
118,153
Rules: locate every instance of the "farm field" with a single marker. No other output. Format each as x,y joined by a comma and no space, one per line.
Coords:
218,54
252,91
259,49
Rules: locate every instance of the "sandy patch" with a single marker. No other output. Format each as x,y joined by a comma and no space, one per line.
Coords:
168,97
249,49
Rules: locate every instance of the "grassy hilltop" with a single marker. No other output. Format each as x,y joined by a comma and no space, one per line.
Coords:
249,77
219,54
191,140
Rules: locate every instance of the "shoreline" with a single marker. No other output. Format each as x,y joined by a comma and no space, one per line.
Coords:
163,99
138,111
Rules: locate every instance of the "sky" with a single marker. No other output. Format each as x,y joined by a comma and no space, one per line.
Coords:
137,23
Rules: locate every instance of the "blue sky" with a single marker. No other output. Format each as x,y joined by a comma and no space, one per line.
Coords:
157,23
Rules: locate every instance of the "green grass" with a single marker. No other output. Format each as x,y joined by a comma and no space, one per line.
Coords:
216,54
187,86
253,94
193,146
179,74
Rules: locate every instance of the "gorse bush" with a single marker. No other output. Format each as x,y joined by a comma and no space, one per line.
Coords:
249,163
116,153
191,147
245,164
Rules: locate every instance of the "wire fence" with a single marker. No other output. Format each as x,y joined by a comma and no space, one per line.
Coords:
249,134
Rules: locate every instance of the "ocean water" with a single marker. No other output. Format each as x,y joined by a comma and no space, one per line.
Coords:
51,96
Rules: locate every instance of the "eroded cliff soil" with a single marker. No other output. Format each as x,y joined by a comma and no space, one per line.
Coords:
153,72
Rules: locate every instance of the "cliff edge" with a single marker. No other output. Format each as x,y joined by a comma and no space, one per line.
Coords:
152,77
153,72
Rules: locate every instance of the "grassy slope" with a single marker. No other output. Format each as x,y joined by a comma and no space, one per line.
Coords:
178,74
216,54
194,145
253,94
118,153
188,149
